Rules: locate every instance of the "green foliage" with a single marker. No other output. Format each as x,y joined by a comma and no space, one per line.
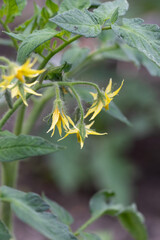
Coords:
59,211
19,147
4,233
31,209
12,8
103,203
115,112
32,41
143,37
53,7
71,4
80,22
75,56
106,10
89,236
133,221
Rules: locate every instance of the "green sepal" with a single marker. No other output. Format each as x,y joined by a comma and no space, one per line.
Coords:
8,98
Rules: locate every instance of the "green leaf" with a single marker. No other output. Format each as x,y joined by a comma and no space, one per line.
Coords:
13,8
95,3
18,36
79,22
75,56
34,40
71,4
133,221
59,211
103,203
23,146
4,233
31,209
114,16
106,10
115,112
89,236
53,7
143,37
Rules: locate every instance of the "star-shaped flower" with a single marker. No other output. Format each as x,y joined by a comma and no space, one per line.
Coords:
82,131
59,118
98,104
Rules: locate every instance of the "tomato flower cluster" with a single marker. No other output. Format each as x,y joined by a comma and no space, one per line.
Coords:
15,81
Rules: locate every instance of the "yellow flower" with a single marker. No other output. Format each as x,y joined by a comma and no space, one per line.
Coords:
98,104
58,119
21,90
22,71
82,132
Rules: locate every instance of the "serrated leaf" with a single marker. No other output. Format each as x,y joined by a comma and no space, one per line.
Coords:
107,9
75,56
24,146
143,37
79,22
103,202
31,209
115,112
59,211
13,8
71,4
34,40
133,221
4,233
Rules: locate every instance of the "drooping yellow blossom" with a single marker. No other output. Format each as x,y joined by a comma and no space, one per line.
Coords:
25,70
98,104
21,90
16,80
82,133
58,119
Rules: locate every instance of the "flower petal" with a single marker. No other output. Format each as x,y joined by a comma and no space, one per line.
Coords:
109,87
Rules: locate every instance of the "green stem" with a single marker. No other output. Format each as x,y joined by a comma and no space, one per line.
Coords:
19,101
79,102
6,27
4,59
58,49
10,172
86,224
19,120
37,109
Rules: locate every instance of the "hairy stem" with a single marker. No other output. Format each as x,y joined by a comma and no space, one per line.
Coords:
58,49
79,102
